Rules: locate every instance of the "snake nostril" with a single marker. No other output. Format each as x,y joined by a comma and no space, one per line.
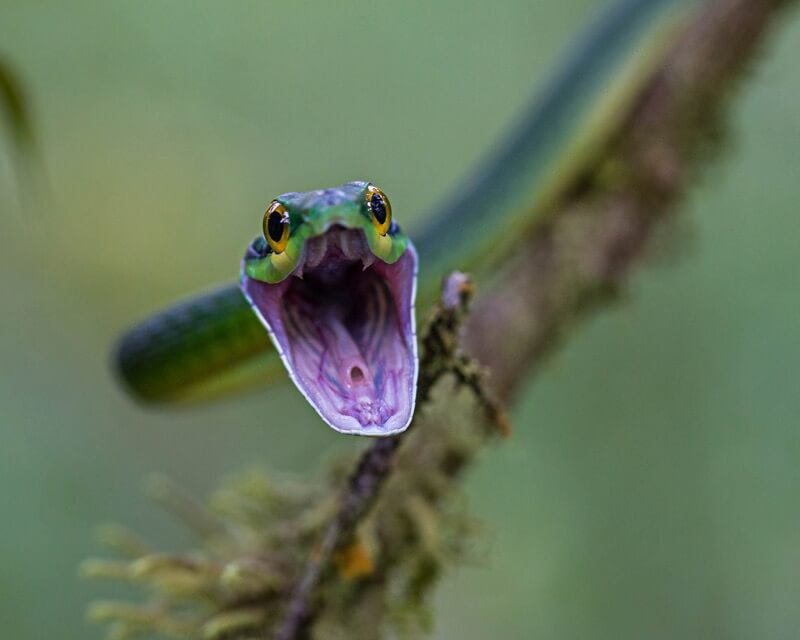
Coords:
356,374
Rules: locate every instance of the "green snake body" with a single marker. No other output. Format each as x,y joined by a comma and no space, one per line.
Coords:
212,343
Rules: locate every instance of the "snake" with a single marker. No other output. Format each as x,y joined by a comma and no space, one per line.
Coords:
327,290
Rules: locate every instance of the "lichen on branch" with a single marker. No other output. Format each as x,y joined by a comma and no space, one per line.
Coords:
277,557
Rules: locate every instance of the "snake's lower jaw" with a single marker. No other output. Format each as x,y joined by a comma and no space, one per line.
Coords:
345,333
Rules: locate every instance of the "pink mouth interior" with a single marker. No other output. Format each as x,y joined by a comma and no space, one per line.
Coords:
343,324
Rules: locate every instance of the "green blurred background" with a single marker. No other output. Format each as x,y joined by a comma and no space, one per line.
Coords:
651,486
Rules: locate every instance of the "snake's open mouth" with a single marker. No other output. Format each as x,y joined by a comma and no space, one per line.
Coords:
343,324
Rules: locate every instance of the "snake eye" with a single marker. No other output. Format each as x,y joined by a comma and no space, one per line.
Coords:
276,226
379,209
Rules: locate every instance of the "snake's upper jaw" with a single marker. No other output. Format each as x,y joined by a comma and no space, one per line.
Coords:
345,332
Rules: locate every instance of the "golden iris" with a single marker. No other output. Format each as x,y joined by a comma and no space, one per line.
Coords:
380,210
276,226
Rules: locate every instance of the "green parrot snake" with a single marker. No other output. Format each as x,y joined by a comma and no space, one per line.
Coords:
327,290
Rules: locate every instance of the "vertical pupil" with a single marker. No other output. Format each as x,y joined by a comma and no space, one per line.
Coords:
378,208
275,226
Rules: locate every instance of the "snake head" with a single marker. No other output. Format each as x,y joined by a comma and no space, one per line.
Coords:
333,280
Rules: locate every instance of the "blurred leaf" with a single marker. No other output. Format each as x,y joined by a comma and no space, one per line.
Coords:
15,115
15,108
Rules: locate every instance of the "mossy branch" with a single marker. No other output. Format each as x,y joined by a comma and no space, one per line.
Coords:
292,562
580,256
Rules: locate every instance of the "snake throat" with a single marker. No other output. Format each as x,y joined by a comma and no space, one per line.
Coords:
343,324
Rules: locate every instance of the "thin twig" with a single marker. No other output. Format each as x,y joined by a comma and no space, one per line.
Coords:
440,356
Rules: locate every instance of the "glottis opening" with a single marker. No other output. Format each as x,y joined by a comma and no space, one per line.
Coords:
343,324
346,341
